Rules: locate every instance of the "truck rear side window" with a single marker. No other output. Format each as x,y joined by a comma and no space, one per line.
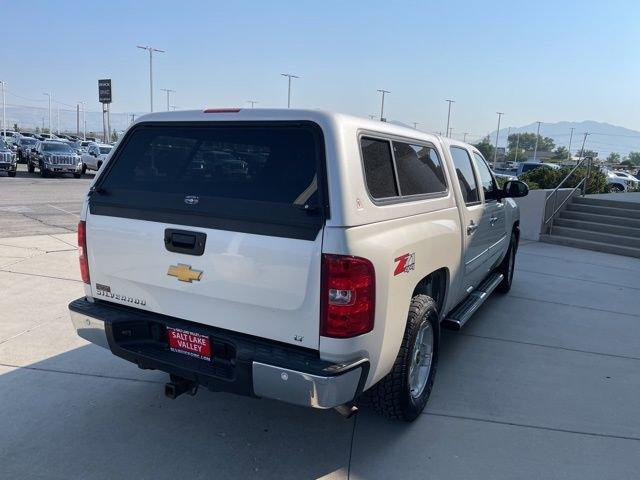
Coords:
228,175
419,169
378,168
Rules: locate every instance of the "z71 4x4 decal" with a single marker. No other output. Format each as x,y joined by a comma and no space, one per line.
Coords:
405,263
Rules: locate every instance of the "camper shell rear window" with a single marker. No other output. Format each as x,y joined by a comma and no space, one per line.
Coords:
254,177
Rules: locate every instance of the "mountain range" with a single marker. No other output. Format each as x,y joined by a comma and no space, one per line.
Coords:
603,138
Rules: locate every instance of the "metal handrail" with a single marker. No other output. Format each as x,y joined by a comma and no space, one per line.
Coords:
553,194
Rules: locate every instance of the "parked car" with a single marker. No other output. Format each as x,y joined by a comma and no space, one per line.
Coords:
8,159
621,181
52,157
25,144
324,276
95,156
528,166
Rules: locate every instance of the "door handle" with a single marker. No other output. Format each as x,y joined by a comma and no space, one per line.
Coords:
183,241
472,227
493,220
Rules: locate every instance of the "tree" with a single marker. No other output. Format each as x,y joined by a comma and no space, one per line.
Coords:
613,157
486,148
37,129
627,163
560,153
589,153
528,142
114,136
634,157
16,128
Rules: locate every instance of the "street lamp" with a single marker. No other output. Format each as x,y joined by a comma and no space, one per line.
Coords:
495,151
4,113
383,92
150,50
169,91
252,102
449,115
84,121
49,97
289,76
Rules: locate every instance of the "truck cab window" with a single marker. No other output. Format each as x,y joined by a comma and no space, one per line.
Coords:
466,176
486,179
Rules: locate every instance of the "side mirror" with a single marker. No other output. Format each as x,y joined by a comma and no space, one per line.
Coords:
514,189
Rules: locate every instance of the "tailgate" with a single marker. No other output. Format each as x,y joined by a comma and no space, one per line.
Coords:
215,224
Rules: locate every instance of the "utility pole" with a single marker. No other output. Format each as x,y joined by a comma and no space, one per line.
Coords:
169,91
570,138
4,111
150,50
535,149
450,132
464,137
57,119
415,125
78,120
383,92
517,148
289,76
252,103
495,151
49,96
133,118
449,114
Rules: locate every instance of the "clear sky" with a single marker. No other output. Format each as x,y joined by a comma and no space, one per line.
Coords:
535,60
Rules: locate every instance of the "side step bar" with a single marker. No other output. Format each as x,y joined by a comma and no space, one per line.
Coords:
462,313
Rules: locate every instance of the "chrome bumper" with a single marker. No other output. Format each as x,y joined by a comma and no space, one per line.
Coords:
304,389
89,328
340,386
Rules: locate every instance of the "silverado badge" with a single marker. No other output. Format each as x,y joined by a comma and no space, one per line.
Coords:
184,273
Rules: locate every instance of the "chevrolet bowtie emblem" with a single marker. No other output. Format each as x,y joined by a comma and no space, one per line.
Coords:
184,273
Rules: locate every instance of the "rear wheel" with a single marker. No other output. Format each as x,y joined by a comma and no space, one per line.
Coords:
508,264
30,167
77,175
44,173
84,168
12,174
403,393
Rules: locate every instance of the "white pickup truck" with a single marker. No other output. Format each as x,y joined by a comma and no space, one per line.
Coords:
298,255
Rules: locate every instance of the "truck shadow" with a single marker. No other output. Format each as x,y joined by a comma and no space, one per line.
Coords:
85,414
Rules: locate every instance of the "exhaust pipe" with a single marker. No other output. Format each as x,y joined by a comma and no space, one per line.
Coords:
178,385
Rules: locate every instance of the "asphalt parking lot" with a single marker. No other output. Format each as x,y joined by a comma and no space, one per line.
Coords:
543,382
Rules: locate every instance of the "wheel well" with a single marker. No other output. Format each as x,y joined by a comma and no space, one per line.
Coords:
435,286
516,230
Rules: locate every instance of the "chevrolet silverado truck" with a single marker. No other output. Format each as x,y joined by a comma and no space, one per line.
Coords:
320,275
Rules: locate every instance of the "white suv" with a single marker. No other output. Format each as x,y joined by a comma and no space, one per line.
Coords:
299,255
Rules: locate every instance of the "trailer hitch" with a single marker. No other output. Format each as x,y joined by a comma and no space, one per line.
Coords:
178,385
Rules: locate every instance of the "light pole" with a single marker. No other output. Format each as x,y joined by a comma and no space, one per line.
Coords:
464,138
415,125
150,50
449,133
169,91
252,102
84,122
449,114
570,138
289,76
517,148
495,151
383,92
4,112
535,149
49,96
372,116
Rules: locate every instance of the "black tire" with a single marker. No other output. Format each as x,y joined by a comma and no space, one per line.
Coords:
11,174
508,264
30,167
84,169
616,187
77,175
44,173
391,396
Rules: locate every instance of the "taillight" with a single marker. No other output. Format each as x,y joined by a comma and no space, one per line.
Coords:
82,250
348,296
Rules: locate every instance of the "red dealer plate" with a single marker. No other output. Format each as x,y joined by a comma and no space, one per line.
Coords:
189,343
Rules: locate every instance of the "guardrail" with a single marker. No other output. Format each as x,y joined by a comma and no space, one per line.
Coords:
582,183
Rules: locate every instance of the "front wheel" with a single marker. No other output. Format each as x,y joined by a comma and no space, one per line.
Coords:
30,167
508,265
44,173
403,393
12,174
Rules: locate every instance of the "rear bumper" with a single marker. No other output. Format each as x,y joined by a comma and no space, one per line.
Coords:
240,363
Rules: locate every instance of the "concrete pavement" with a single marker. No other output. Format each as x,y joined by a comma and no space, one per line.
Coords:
542,383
